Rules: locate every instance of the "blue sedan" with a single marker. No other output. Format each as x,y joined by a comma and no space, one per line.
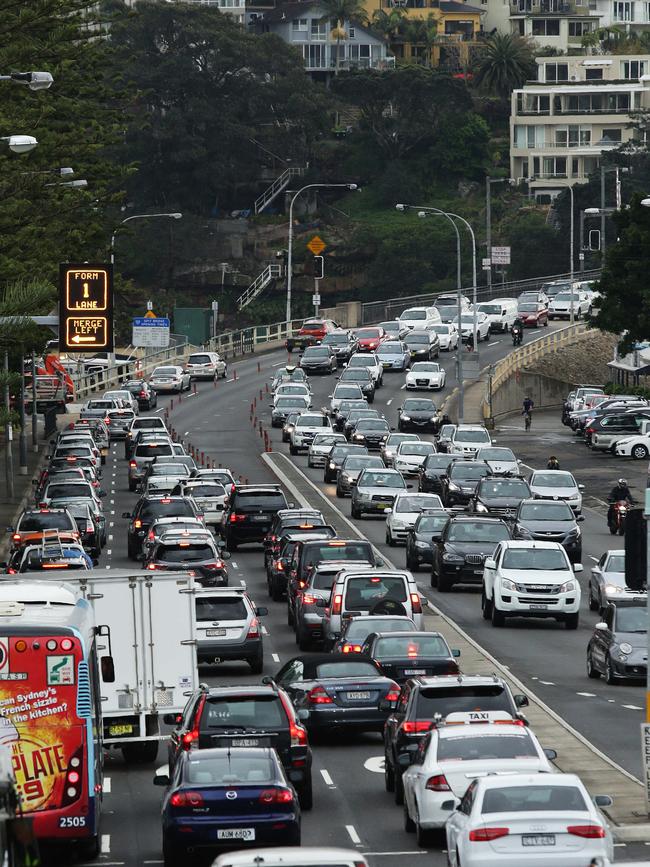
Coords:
227,798
394,355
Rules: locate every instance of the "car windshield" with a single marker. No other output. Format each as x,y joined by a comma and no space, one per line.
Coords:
553,480
469,749
414,339
497,454
615,563
346,669
37,521
182,552
396,439
441,329
289,402
565,297
411,647
355,374
531,559
372,424
361,462
316,352
462,699
269,500
258,712
356,414
545,511
632,619
292,389
377,479
313,421
467,470
362,361
220,608
151,450
206,489
415,404
359,630
322,580
390,349
199,359
527,307
168,469
339,452
472,436
167,509
74,489
504,488
338,551
165,371
416,448
326,439
414,313
368,333
229,769
364,591
533,799
425,367
494,309
415,503
477,531
437,462
335,339
431,523
346,391
142,423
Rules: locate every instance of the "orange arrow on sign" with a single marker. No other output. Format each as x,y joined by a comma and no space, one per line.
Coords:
150,315
316,245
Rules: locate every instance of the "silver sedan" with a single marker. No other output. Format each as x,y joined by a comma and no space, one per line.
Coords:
607,579
170,378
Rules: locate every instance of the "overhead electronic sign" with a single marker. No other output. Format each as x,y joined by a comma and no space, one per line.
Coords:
85,307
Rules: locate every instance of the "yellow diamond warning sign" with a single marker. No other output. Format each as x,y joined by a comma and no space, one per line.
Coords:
316,245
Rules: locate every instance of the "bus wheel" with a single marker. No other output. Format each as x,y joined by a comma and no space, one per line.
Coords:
91,847
140,753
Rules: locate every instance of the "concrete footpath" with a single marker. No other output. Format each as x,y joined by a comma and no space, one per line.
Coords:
575,753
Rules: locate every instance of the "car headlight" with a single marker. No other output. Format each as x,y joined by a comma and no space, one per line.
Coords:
625,648
480,507
568,587
452,558
406,417
507,584
612,588
345,477
523,532
433,418
332,466
397,524
421,544
358,436
576,532
453,486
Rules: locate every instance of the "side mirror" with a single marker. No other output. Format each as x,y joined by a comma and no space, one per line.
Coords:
580,519
266,680
161,780
578,567
490,563
603,801
172,719
101,492
551,755
521,700
448,805
291,505
127,515
581,487
303,714
262,611
108,669
225,555
601,627
409,487
388,511
379,562
455,652
34,481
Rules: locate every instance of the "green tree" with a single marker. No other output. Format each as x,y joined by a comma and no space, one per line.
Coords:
506,62
403,109
209,103
339,12
422,33
625,304
389,23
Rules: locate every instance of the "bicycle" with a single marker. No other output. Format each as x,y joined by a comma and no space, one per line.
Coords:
528,419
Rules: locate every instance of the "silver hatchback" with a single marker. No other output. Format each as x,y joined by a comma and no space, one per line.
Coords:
228,627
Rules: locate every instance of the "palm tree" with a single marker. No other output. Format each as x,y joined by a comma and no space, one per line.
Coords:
422,32
340,11
507,61
389,24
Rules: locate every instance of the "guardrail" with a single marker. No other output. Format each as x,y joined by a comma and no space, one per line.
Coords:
246,340
537,348
379,311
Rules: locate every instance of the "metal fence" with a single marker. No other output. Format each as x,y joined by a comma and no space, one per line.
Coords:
379,311
247,340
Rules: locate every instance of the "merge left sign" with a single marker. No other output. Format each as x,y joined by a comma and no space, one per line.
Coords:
85,307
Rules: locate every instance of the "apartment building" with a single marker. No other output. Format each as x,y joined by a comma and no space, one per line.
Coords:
559,24
579,107
235,8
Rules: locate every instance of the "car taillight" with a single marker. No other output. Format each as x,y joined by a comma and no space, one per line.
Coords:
89,528
16,537
153,566
298,735
213,567
438,783
338,602
393,693
234,518
137,524
308,599
254,629
590,832
278,565
276,796
417,726
351,648
484,835
318,695
186,799
589,430
132,464
416,603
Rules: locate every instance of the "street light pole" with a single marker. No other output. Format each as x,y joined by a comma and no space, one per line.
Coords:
173,216
290,240
488,226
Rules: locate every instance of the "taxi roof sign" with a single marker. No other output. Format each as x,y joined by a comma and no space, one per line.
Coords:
85,307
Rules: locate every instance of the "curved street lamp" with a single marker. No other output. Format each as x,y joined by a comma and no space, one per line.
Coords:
172,216
20,144
33,80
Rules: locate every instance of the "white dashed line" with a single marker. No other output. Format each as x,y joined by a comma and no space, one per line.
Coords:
112,502
112,513
243,583
587,694
402,387
192,394
109,551
325,775
547,682
264,630
162,409
111,524
275,657
632,707
234,565
110,537
107,786
185,433
494,343
353,834
388,402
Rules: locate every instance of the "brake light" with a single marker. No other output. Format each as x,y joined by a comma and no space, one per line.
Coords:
276,796
278,565
351,648
412,651
483,835
186,799
338,602
132,464
438,783
16,537
137,524
417,726
213,567
234,518
89,528
416,603
254,629
318,695
153,566
589,430
298,735
308,599
590,832
393,694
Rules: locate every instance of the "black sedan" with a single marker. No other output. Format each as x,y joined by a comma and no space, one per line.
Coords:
353,417
337,455
402,655
362,377
499,496
459,484
460,552
341,415
422,537
319,359
418,413
343,344
431,473
370,432
550,521
338,692
142,392
618,647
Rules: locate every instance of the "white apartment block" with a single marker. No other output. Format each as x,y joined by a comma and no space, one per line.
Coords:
578,108
235,8
559,24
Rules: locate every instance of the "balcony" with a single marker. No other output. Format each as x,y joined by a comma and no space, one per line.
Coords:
546,7
324,64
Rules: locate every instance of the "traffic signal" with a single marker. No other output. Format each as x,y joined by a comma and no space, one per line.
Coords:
636,564
319,267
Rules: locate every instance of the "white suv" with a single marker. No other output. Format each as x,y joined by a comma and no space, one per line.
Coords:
467,439
369,360
305,429
206,365
420,318
560,305
530,579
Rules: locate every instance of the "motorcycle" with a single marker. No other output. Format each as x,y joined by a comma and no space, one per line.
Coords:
516,336
617,516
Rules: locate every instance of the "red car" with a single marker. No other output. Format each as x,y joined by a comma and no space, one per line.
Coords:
533,314
311,333
370,338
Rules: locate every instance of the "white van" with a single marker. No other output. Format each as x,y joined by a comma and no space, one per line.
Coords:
501,312
420,318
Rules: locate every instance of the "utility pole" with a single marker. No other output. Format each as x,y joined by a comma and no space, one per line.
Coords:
488,232
9,435
22,439
603,215
34,415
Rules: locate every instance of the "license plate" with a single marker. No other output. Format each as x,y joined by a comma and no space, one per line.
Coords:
213,633
259,517
478,571
538,840
236,834
358,696
116,730
246,742
383,505
539,607
415,671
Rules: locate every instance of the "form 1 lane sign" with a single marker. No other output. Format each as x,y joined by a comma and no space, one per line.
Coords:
85,307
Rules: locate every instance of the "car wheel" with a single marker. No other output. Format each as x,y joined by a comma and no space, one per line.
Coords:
571,621
610,676
354,512
434,577
389,775
231,545
257,664
593,604
276,592
639,452
399,789
172,856
306,795
132,486
293,450
389,539
303,640
486,606
409,824
339,493
422,836
498,617
412,565
290,618
444,584
593,673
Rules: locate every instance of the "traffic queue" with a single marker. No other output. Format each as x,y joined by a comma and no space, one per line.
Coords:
460,758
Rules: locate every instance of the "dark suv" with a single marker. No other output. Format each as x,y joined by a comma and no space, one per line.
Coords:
424,698
245,716
147,510
249,513
308,554
459,554
287,519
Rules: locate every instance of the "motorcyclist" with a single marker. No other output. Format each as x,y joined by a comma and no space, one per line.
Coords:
619,493
517,330
553,463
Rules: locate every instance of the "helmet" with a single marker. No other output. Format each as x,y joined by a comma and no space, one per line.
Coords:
622,482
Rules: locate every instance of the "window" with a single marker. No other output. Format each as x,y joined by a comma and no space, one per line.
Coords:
633,69
575,168
573,136
579,28
351,33
646,12
546,26
623,10
299,24
554,167
556,71
533,103
611,136
593,74
318,29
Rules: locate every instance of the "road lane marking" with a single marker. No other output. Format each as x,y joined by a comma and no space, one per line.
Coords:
106,844
109,551
388,402
264,630
192,394
402,387
494,343
234,565
275,657
325,775
110,537
632,707
587,694
376,854
375,764
547,682
279,364
186,433
242,582
353,834
162,409
107,786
